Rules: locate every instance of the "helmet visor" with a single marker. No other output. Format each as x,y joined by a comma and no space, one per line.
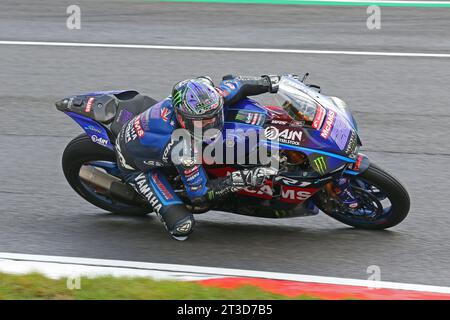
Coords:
198,127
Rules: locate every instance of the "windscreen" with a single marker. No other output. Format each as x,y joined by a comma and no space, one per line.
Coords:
292,97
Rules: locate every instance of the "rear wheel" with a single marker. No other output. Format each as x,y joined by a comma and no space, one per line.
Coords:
80,152
383,202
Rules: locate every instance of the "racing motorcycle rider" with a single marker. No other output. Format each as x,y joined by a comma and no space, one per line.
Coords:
144,146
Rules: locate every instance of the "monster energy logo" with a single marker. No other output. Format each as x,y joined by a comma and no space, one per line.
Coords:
241,116
320,164
177,97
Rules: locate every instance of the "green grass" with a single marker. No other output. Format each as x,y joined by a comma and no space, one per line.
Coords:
36,286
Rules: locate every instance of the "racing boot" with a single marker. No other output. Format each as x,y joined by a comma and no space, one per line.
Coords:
154,187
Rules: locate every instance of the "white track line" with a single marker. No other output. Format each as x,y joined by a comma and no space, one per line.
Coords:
223,49
60,270
188,272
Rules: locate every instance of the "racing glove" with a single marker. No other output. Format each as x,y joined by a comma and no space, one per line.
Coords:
274,82
239,87
220,188
251,178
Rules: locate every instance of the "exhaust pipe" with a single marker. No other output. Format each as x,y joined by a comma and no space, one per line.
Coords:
112,184
97,177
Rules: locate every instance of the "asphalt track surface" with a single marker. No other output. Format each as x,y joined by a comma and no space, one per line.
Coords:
401,104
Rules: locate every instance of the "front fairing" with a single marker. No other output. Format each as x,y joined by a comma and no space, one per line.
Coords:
290,84
329,147
328,124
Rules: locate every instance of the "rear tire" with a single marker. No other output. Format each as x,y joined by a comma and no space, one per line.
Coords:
80,151
395,192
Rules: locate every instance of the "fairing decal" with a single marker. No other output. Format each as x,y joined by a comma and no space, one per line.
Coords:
96,131
359,166
310,151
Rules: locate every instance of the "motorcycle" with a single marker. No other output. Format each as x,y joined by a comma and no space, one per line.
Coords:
320,166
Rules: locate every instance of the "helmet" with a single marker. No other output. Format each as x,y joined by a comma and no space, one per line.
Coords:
198,105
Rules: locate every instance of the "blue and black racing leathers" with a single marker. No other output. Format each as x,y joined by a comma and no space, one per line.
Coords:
144,146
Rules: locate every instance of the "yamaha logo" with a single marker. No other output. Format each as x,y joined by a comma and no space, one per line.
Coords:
271,133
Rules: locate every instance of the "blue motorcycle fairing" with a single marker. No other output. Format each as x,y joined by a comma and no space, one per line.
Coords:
95,130
322,162
343,108
246,116
361,164
324,156
248,105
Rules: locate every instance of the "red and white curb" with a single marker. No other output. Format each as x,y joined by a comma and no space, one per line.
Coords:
289,285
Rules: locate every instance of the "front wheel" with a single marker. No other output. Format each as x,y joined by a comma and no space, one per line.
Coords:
382,201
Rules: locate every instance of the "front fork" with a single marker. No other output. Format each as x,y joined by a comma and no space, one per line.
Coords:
340,189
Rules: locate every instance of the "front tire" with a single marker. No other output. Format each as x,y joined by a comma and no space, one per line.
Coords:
388,188
82,150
